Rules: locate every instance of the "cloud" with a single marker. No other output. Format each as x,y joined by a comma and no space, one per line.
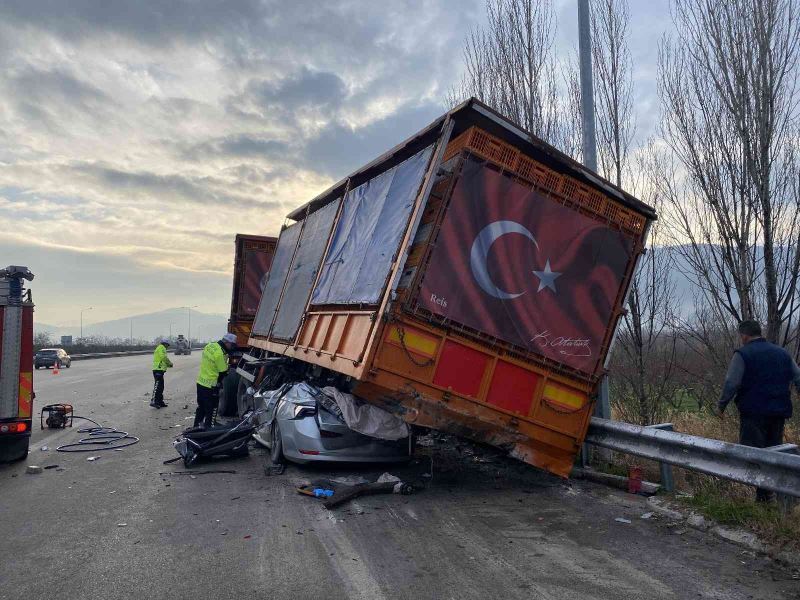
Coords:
148,133
150,22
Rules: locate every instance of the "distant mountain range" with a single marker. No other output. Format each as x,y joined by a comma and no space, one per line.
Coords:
146,327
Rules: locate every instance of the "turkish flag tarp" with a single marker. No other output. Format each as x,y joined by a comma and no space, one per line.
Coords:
521,267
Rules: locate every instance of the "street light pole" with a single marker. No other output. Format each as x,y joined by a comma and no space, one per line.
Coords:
189,311
83,309
587,87
603,406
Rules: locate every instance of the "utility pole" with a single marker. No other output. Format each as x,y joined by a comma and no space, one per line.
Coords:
603,407
189,312
587,87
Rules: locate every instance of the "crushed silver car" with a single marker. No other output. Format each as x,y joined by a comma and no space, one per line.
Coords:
303,423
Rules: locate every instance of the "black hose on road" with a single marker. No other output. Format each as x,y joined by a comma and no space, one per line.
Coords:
100,438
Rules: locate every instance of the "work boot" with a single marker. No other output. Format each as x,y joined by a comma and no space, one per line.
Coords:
162,405
153,404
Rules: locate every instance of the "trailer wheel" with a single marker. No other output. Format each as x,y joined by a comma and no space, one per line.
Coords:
276,444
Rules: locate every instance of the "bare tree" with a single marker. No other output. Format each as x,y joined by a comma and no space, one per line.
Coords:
42,339
509,64
728,86
613,85
644,364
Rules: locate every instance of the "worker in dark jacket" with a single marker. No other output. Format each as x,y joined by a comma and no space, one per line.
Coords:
213,368
161,363
759,380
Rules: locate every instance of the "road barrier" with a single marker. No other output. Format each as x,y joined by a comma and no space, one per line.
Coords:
776,468
93,355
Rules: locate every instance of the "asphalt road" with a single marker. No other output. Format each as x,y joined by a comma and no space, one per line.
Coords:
484,527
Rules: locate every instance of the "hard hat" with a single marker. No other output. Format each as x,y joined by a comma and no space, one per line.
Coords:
229,337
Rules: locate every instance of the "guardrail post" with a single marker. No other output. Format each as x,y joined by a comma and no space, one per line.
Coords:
667,480
603,410
785,502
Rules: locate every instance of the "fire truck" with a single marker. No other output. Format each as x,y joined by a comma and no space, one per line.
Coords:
16,363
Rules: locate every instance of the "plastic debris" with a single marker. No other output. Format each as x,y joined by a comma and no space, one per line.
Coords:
122,524
322,493
44,448
646,515
92,458
621,520
33,470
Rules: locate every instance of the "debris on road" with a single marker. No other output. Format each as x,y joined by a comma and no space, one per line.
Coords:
53,467
33,470
193,473
122,524
647,515
44,448
92,458
622,520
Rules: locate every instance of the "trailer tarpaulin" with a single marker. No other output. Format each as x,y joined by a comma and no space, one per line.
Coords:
519,266
368,234
303,272
277,275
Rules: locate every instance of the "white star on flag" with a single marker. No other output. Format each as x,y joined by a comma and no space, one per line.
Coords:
547,278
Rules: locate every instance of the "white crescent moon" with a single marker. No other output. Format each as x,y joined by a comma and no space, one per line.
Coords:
480,252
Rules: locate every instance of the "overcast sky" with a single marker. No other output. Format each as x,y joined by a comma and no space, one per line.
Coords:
138,137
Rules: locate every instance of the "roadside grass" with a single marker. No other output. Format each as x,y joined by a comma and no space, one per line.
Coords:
732,504
724,502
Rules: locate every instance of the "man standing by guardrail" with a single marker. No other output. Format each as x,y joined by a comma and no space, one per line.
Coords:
759,380
161,363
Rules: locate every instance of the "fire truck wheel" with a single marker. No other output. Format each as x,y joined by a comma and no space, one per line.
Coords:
14,450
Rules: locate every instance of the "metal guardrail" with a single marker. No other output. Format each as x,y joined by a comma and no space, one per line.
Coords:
776,469
93,355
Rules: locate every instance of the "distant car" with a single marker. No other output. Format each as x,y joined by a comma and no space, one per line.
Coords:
299,423
50,357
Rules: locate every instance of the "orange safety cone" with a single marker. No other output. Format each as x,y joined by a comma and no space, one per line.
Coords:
55,369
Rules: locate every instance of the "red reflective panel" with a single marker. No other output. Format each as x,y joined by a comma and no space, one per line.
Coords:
512,388
461,369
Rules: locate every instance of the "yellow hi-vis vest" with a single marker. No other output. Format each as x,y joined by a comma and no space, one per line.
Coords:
213,362
160,360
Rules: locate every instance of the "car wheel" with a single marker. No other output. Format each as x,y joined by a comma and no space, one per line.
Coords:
36,367
276,444
69,364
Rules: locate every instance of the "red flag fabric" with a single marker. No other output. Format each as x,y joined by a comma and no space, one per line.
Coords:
257,264
514,264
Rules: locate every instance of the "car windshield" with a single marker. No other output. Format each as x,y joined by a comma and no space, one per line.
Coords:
48,352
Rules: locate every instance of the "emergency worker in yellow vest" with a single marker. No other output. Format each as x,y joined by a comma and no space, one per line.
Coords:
213,368
161,363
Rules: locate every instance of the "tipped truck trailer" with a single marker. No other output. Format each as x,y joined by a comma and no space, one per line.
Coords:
250,269
16,363
470,280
